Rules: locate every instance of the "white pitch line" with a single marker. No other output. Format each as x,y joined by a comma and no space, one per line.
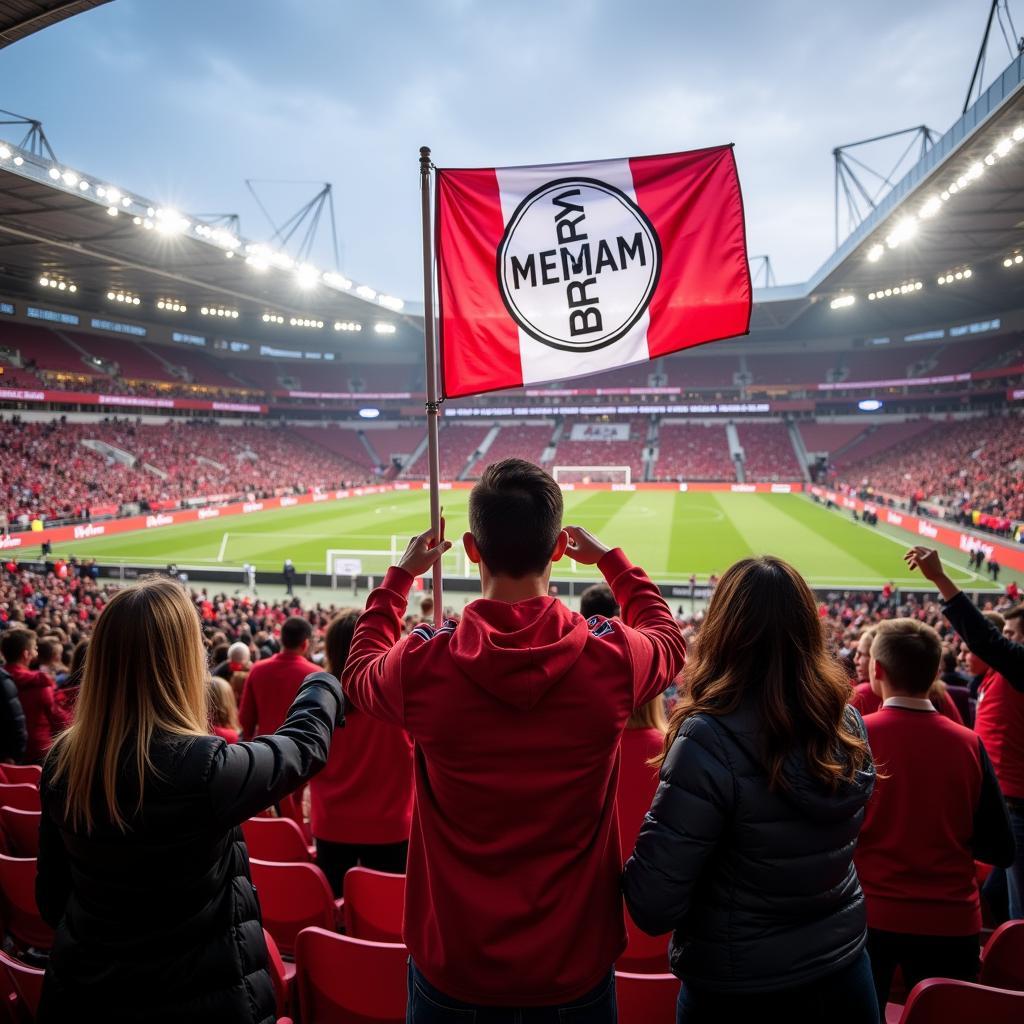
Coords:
223,547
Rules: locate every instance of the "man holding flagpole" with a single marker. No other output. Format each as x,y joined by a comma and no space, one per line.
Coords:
544,273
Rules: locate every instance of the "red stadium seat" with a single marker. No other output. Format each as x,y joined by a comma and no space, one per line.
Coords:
22,796
278,840
293,896
20,913
350,981
27,983
22,773
374,903
1002,964
22,831
281,974
938,1001
646,998
645,954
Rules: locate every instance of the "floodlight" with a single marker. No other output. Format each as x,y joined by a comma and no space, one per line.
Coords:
5,153
70,179
869,405
930,207
840,302
114,195
112,211
54,173
1003,146
19,160
975,171
875,252
1018,133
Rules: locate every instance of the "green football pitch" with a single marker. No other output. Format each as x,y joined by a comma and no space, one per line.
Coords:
670,534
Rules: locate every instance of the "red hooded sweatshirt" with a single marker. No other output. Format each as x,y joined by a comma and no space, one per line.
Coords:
512,894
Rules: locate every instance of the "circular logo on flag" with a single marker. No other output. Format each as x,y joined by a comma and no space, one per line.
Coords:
578,264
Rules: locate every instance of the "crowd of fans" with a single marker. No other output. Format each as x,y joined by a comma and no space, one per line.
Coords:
793,664
971,471
48,473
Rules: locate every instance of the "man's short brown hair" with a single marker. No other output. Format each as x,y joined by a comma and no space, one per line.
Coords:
515,516
911,652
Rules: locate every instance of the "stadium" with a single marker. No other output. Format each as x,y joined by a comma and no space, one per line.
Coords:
179,398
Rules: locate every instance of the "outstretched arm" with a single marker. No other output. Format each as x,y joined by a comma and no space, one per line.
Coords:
980,635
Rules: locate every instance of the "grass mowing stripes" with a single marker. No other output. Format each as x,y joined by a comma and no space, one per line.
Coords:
670,534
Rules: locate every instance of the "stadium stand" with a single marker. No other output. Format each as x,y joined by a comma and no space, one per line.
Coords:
768,452
515,440
396,441
44,349
458,443
199,367
880,363
696,370
800,368
829,437
132,362
343,442
693,451
604,453
879,438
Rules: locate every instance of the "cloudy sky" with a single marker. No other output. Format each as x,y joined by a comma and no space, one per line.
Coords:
182,100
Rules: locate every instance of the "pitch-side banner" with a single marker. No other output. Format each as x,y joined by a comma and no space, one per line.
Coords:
559,271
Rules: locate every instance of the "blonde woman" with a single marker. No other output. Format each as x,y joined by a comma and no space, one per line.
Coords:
142,869
223,710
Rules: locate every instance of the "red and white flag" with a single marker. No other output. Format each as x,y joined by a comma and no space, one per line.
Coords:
564,270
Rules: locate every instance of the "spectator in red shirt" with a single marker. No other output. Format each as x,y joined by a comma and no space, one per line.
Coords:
361,803
915,856
512,894
272,684
35,691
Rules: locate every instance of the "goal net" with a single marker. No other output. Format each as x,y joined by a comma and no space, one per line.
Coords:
344,563
592,475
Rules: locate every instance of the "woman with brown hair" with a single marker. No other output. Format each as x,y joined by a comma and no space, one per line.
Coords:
747,853
361,803
223,711
142,868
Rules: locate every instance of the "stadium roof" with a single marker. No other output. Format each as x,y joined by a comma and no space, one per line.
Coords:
20,18
959,209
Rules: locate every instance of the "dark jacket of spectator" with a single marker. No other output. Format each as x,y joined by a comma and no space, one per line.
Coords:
269,690
746,861
161,923
13,734
984,640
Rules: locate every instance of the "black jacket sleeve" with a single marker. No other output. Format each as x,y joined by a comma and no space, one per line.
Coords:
984,640
53,872
680,831
246,778
992,841
13,732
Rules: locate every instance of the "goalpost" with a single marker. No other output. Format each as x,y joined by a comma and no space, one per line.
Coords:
344,563
592,475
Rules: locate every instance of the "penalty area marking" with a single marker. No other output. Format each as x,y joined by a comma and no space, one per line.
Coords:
223,547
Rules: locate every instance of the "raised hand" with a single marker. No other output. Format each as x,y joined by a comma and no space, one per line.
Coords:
584,547
423,551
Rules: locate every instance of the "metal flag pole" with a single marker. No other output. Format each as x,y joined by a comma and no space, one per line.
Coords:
433,403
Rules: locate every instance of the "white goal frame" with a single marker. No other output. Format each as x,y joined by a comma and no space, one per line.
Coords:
456,559
627,470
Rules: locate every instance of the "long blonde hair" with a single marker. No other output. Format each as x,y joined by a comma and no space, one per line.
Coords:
650,716
145,673
223,706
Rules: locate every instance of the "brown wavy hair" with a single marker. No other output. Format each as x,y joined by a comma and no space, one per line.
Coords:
337,641
762,640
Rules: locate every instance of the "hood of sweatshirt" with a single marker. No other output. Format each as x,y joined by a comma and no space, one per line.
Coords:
813,798
517,652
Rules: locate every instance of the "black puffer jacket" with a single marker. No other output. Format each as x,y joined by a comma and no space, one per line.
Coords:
162,923
13,733
758,886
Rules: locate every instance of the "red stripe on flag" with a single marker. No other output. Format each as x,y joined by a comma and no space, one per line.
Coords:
479,340
694,202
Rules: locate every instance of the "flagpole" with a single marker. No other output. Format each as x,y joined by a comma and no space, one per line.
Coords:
433,405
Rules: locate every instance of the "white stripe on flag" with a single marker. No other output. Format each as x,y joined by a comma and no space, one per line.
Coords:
541,362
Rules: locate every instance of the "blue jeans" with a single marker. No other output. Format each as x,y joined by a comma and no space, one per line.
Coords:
427,1005
844,997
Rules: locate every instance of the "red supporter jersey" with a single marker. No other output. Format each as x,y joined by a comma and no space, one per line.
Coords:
999,721
867,702
637,783
364,793
512,892
269,690
914,855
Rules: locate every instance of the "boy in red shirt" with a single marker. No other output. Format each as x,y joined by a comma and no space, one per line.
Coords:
512,894
936,808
